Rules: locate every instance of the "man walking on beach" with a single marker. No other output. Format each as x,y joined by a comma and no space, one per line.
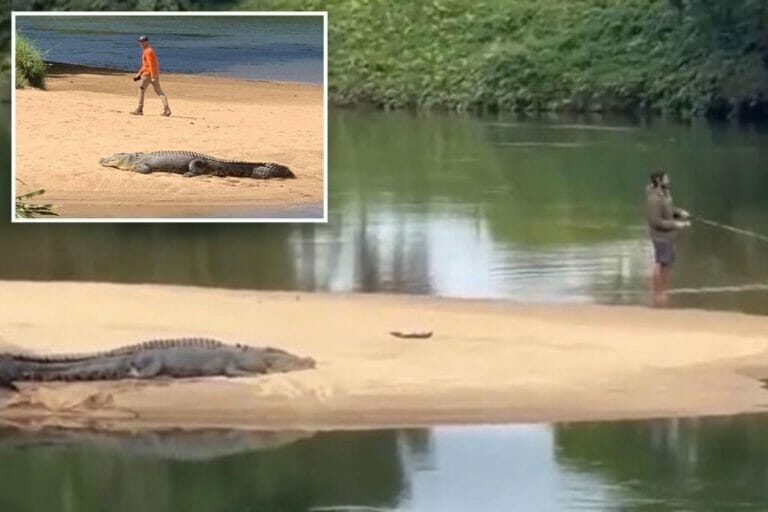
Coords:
664,221
149,73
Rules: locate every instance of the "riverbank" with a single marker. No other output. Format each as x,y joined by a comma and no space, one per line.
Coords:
84,115
487,361
685,59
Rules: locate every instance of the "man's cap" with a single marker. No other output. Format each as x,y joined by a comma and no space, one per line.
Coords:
143,38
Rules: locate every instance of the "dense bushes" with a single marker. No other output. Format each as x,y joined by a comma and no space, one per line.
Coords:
688,57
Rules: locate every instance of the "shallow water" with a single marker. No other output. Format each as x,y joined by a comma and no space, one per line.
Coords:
662,465
537,210
279,48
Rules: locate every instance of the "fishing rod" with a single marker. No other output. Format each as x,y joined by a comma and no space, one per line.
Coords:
745,232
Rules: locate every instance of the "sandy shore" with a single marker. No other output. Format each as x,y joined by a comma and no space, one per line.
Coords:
62,132
486,362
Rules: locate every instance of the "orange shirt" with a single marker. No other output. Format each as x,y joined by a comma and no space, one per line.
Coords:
149,64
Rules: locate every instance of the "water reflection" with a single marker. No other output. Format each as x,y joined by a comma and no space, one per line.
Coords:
675,464
176,444
445,205
660,465
333,468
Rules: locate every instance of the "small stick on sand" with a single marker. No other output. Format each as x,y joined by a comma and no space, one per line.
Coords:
416,335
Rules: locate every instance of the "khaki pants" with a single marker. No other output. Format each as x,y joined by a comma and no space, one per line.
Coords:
144,83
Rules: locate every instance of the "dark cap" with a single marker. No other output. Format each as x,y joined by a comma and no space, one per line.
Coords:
143,38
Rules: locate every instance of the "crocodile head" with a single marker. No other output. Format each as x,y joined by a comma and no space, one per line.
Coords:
123,161
281,361
271,360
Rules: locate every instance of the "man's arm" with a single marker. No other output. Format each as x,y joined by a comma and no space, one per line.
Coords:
655,218
142,69
154,68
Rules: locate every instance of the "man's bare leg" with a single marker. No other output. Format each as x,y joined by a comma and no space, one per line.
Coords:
661,278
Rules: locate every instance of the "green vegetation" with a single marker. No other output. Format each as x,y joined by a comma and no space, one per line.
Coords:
5,63
687,57
25,209
104,5
30,66
684,57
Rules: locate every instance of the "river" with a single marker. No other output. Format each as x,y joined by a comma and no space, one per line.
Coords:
538,211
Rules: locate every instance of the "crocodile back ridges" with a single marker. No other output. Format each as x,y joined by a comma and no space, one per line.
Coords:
161,343
203,156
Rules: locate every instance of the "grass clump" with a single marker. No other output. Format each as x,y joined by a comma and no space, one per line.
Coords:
24,209
30,66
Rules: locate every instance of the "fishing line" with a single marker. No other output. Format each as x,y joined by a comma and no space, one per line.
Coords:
745,232
755,287
720,289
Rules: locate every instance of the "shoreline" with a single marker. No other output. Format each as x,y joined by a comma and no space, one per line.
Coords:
488,362
87,118
68,67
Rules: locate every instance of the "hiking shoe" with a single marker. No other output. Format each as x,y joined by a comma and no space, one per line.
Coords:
166,112
137,112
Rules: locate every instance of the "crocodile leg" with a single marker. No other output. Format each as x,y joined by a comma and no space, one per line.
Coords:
196,168
143,169
7,384
232,370
261,172
146,367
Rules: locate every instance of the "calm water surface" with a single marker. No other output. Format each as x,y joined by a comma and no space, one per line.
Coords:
664,465
281,48
539,210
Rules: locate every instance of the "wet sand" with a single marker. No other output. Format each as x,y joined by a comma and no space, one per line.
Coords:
487,361
84,115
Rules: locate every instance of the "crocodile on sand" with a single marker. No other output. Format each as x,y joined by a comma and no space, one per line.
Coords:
189,164
176,358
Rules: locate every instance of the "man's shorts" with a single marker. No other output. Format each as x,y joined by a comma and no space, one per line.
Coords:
664,251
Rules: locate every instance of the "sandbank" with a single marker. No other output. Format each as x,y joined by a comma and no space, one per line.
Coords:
487,361
84,115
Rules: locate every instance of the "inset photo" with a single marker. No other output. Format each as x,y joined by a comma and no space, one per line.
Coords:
169,117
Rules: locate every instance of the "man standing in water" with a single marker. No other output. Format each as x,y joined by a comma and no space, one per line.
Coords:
664,222
149,73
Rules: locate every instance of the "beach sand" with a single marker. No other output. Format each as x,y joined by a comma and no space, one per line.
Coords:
487,361
84,115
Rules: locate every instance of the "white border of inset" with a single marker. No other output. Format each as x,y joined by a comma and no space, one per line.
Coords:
224,220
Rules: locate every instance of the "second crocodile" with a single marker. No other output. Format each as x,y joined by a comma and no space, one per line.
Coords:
189,163
175,358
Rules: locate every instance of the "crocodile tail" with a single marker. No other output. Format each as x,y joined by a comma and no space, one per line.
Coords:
54,358
272,170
